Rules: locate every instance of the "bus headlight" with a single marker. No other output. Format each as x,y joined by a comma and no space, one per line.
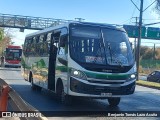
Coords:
78,74
133,76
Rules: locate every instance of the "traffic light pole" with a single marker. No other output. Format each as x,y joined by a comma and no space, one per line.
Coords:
139,39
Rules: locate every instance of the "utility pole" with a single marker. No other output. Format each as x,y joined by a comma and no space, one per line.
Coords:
154,51
139,38
135,40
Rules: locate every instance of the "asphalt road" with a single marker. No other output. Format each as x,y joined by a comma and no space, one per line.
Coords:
143,100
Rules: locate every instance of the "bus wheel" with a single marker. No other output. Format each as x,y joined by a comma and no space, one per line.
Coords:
33,86
114,101
62,96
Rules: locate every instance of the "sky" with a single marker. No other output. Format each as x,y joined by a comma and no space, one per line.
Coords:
102,11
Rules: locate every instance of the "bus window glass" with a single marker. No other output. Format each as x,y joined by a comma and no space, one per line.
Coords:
41,38
86,32
49,37
13,54
29,45
86,45
118,47
100,46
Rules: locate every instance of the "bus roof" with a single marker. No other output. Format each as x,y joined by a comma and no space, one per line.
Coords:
112,26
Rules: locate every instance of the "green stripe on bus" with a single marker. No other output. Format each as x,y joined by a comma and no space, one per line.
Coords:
107,76
62,68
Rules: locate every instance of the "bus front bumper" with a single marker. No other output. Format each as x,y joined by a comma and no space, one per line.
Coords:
79,88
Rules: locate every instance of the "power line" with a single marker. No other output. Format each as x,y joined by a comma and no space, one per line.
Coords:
131,17
125,21
151,19
149,5
135,5
151,24
133,12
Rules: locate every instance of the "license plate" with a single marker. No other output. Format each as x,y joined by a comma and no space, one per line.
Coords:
106,94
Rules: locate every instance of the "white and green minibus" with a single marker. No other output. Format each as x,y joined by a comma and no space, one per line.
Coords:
80,59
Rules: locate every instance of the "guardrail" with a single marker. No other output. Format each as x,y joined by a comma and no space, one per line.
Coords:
18,107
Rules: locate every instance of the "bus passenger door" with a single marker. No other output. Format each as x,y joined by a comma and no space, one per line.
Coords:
52,62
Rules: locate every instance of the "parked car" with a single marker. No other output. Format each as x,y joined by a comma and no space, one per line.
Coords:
154,76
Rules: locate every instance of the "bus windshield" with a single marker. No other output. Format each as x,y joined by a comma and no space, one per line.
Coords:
13,54
100,46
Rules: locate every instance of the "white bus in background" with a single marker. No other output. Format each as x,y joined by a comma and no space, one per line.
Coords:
80,59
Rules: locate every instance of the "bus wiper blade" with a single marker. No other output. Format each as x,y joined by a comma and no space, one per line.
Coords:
96,57
109,48
119,63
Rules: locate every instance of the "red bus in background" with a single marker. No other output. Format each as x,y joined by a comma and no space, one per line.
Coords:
13,56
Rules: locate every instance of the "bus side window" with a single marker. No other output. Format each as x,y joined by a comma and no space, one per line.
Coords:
55,39
40,45
34,46
44,45
47,43
25,46
28,50
63,48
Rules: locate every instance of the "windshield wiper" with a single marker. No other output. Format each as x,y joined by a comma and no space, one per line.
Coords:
97,54
119,63
109,48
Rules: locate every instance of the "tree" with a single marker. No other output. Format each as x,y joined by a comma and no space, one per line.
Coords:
144,49
1,34
157,54
148,55
5,39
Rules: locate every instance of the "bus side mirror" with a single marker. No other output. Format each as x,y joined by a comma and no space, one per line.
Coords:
63,40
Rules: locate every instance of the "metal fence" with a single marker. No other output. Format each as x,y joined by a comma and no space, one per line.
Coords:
28,22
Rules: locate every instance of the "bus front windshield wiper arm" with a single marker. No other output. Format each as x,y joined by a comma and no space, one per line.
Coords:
120,63
109,48
96,56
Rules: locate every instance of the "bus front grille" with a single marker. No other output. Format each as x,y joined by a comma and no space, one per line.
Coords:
104,81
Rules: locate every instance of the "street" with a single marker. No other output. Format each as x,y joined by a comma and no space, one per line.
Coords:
144,99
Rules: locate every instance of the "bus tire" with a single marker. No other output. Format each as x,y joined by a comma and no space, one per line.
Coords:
33,86
114,101
62,96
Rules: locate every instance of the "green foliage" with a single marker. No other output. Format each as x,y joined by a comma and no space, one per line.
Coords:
1,34
61,68
41,64
148,53
144,49
150,63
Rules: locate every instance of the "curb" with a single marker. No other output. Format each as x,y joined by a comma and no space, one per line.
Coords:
154,87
